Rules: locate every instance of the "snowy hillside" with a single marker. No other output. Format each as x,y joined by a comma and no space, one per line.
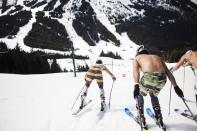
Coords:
67,20
52,25
43,102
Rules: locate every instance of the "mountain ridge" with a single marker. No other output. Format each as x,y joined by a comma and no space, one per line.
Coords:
157,24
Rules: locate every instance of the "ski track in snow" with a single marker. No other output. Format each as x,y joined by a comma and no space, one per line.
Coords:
43,103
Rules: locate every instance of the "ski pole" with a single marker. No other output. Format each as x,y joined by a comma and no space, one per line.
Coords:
195,82
183,79
169,107
170,100
77,97
139,113
110,94
187,100
187,106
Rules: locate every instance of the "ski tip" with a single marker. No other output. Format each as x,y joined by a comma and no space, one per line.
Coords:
148,109
176,109
126,109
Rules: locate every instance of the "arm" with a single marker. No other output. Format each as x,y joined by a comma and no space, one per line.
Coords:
136,71
183,61
136,76
169,74
107,71
178,91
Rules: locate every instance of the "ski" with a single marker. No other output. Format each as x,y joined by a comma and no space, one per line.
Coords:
152,115
79,110
130,114
186,114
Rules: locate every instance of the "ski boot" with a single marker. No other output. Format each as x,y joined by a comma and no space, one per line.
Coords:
143,120
103,106
158,117
144,125
160,123
82,104
141,117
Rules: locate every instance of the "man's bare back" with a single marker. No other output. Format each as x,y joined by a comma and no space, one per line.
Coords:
150,63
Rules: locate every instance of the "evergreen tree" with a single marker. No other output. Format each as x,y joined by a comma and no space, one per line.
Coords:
3,47
55,68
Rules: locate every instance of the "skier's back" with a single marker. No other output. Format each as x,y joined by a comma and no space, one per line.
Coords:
155,73
95,73
150,63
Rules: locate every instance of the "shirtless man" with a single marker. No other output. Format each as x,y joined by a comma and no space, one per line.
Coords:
95,73
155,73
189,58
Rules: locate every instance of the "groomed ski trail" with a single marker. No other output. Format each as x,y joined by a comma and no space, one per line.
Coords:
43,103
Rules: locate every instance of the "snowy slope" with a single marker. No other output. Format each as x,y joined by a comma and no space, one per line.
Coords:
195,1
110,14
43,102
78,42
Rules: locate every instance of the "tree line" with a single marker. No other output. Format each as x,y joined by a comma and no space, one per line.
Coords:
35,62
20,62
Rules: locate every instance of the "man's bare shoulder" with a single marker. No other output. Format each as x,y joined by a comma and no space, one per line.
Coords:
147,56
195,52
189,52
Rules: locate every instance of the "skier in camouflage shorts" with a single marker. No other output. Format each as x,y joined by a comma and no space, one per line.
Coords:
152,83
155,73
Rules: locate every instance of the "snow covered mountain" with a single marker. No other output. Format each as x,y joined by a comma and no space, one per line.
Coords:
89,24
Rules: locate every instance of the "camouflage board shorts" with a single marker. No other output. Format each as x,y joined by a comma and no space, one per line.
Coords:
152,83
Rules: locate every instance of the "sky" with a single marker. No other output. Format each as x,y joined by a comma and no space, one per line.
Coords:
43,102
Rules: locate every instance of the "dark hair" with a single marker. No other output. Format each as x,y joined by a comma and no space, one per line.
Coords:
99,61
141,50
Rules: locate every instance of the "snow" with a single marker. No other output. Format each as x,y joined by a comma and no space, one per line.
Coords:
57,4
43,102
11,2
105,21
23,31
126,49
194,1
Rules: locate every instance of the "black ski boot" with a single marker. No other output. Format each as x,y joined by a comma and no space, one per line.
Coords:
141,117
82,104
158,116
143,120
103,105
